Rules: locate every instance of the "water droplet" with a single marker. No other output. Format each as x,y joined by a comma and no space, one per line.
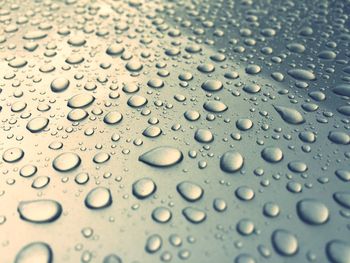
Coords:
37,124
66,162
152,131
153,243
339,137
115,50
338,251
312,211
98,198
38,252
290,115
143,188
190,191
59,84
13,155
194,215
162,156
245,193
245,227
113,117
212,85
231,161
112,258
301,74
203,136
342,90
284,242
136,101
40,211
342,198
161,215
272,154
215,106
81,100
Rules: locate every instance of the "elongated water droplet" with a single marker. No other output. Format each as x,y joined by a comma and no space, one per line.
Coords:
40,211
162,156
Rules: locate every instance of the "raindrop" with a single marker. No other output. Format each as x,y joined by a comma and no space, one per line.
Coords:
98,198
190,191
284,242
40,211
162,156
194,215
38,252
143,188
66,162
231,161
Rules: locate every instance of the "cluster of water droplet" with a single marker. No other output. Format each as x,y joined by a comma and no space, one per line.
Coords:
198,131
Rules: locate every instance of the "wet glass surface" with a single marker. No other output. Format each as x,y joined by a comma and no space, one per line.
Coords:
174,131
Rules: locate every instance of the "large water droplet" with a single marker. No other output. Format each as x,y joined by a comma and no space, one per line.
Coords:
37,124
59,84
272,154
162,156
190,191
66,162
194,215
36,252
40,211
13,155
301,74
312,211
289,115
284,242
338,251
98,198
231,161
143,188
